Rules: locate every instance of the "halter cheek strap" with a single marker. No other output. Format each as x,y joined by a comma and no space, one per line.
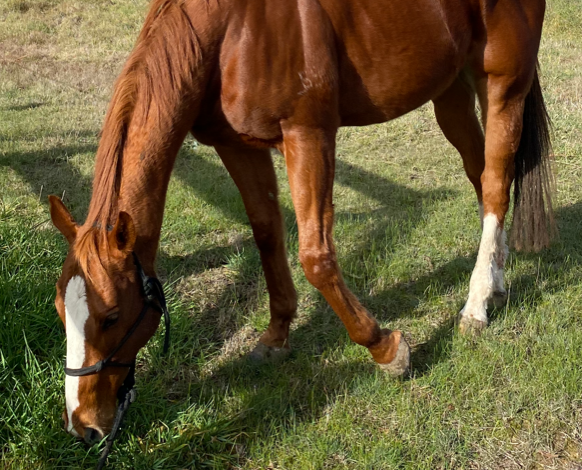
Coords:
154,292
154,297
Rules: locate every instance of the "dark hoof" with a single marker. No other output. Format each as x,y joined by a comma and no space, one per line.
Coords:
470,326
264,353
400,365
498,299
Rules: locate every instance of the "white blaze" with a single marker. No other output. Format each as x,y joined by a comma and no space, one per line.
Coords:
77,312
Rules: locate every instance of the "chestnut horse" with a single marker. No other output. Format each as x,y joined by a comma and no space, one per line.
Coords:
246,76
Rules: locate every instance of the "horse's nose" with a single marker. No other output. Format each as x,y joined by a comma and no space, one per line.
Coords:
92,436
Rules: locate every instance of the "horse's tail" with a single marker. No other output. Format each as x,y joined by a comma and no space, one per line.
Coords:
533,216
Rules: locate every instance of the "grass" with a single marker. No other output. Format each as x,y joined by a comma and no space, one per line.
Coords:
407,234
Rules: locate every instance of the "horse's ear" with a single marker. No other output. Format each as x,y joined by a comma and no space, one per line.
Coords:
62,219
123,234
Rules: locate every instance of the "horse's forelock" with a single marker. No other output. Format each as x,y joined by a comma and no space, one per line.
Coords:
91,250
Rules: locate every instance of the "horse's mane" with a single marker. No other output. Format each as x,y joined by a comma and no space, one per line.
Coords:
160,69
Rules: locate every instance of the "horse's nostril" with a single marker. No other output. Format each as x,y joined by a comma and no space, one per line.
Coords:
92,436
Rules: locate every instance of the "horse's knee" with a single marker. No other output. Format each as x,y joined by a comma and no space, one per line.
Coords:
319,266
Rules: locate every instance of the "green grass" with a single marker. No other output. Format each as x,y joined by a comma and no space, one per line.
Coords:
407,232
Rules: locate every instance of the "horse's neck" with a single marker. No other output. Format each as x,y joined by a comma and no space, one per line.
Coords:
155,104
141,170
147,163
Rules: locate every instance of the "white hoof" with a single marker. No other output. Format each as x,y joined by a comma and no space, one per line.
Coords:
470,326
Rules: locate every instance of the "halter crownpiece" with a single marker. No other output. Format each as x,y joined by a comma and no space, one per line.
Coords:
154,297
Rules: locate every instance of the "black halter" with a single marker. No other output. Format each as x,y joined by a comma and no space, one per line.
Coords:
153,293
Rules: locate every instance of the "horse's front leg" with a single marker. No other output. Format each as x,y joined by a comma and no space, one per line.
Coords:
254,175
310,158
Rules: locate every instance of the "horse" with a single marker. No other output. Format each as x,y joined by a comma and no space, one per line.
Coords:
249,76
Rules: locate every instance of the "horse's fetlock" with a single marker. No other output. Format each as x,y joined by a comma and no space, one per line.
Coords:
285,308
363,338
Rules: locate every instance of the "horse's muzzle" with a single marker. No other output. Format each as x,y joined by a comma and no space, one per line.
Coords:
92,436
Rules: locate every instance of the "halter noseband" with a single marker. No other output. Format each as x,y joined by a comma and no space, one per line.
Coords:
153,293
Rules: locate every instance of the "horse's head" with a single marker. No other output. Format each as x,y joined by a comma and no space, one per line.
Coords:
99,300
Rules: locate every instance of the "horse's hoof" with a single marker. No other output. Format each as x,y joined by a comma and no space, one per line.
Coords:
400,365
471,326
498,299
264,353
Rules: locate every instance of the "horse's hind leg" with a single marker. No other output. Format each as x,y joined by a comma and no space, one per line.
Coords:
310,158
502,134
456,116
507,84
455,113
506,97
254,175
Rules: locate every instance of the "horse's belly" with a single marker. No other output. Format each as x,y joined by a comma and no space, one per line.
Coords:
367,60
390,92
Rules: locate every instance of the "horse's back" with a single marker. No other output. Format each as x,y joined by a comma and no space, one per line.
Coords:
345,62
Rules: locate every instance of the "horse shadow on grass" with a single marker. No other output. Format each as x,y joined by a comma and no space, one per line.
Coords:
301,389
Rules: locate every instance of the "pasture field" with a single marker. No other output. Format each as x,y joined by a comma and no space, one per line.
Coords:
407,232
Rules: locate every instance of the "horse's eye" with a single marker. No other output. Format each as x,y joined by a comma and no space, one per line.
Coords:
110,320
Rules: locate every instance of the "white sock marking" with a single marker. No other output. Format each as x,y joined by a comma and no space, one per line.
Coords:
77,312
486,272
